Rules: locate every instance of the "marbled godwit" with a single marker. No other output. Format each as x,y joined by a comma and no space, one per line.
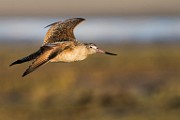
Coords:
60,45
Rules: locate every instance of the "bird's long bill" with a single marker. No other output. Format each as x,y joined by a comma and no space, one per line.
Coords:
105,52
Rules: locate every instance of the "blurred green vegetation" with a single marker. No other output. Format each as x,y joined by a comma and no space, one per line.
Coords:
141,83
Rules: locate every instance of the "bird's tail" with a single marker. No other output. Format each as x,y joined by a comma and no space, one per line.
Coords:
27,58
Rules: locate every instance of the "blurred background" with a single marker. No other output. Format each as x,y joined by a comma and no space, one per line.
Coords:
141,83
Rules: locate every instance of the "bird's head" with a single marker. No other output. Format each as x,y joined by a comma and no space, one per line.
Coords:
92,49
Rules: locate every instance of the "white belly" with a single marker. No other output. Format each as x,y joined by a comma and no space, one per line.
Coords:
71,56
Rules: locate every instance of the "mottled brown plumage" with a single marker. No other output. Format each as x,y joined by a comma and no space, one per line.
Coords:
62,31
60,45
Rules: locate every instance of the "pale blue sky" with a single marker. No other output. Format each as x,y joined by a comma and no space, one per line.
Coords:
95,29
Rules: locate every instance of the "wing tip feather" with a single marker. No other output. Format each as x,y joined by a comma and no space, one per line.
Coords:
52,24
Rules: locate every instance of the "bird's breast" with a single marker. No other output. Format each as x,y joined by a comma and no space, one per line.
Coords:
71,55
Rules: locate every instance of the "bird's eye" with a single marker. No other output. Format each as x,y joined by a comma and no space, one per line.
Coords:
90,46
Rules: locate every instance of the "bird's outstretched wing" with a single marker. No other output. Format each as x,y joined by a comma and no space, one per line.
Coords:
47,54
27,58
62,31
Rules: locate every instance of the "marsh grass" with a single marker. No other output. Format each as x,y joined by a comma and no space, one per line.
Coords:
141,83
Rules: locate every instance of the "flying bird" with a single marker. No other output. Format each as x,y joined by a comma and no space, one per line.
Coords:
60,45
